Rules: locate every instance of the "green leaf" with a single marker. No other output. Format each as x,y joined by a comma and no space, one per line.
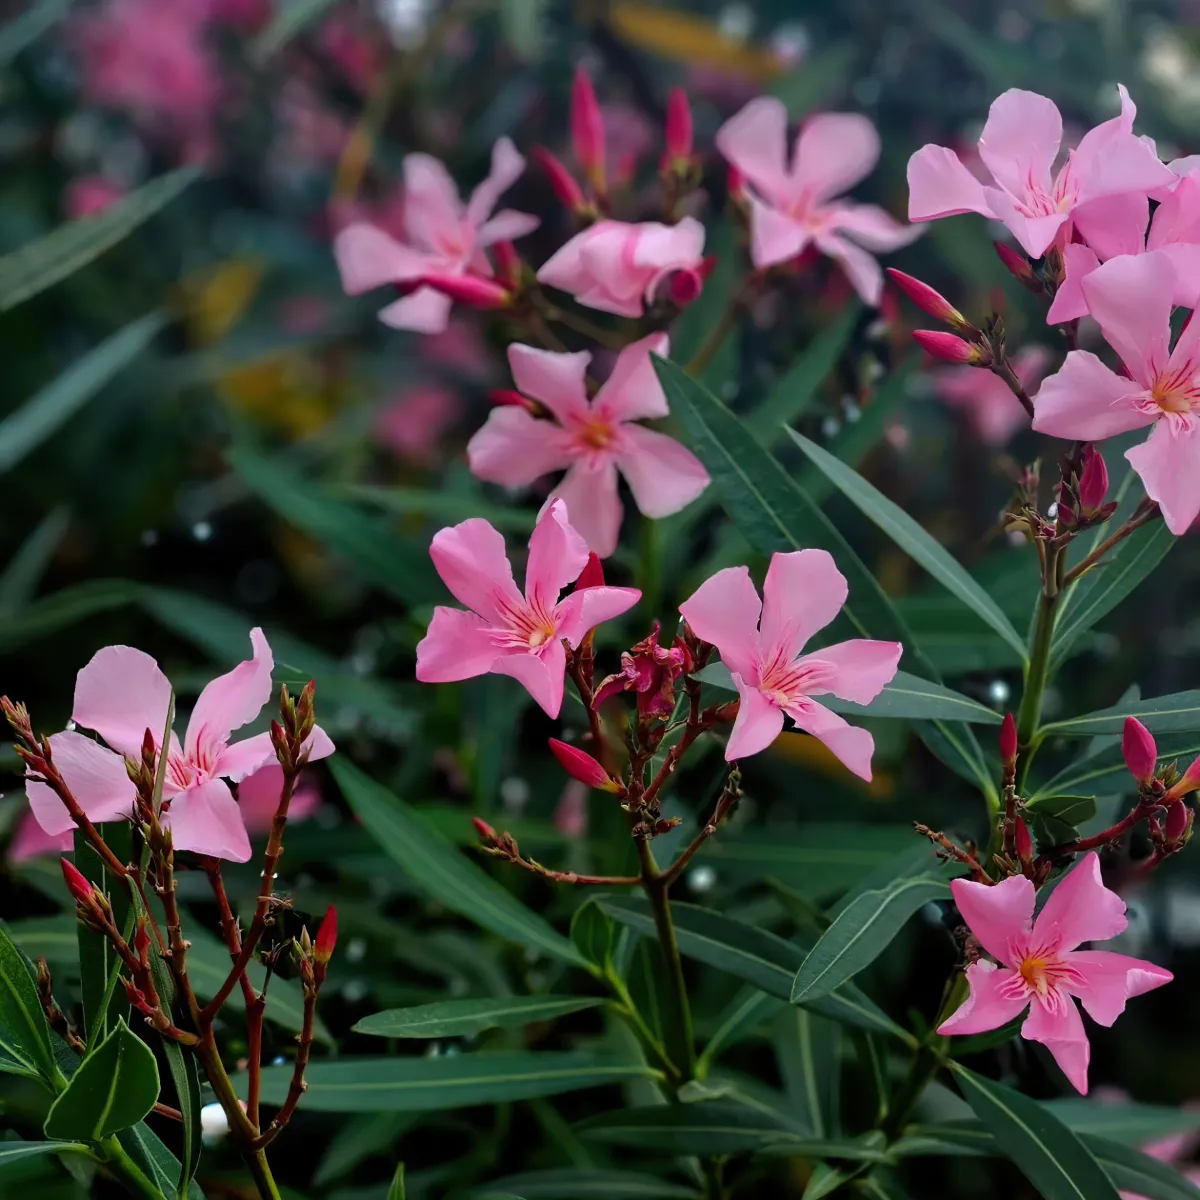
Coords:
358,1140
1049,1154
808,1048
825,1180
906,697
1137,1173
911,538
23,31
1129,1123
1105,770
20,579
1056,819
1176,713
760,958
24,1033
707,1129
819,78
115,1087
435,865
594,934
461,1081
956,746
868,922
749,1009
463,1018
157,1163
291,18
881,1184
15,1152
402,569
524,25
570,1183
39,265
26,428
104,1002
397,1190
445,506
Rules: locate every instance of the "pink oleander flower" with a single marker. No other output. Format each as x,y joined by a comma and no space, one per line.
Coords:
505,632
32,841
1131,298
1040,967
591,439
986,400
442,237
618,267
802,593
793,206
1102,185
412,424
122,693
258,798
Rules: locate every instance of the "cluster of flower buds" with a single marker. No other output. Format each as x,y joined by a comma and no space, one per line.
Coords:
970,349
91,904
652,671
1081,494
296,723
1162,791
312,957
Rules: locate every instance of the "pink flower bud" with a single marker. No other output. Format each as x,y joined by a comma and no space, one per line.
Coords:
1093,482
484,830
587,128
679,126
927,300
686,286
561,180
1024,842
326,936
77,884
735,183
473,290
506,396
579,764
592,574
1178,821
508,263
1008,741
1018,265
947,347
1141,754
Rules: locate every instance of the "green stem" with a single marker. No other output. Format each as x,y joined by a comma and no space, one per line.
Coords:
118,1163
923,1068
1030,713
678,1030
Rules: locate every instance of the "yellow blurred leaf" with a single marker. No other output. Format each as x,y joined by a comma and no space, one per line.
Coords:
811,752
218,297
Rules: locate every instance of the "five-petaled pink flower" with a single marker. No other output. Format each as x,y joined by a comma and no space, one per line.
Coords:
1131,298
1040,967
505,632
793,206
592,439
803,592
986,400
121,694
618,267
1100,188
442,237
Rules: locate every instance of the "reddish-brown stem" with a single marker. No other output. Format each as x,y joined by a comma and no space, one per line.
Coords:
297,1087
588,697
1002,370
697,723
1144,513
165,1110
572,877
1106,836
955,852
178,957
729,796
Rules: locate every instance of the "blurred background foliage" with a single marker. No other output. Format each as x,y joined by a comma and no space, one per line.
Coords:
200,432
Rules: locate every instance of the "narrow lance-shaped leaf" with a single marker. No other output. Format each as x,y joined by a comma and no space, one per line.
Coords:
464,1018
23,31
1176,713
25,1047
582,1183
104,1001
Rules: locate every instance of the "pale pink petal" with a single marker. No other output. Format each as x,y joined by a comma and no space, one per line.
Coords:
317,745
553,379
564,268
1059,1027
230,701
758,722
1168,463
755,141
594,508
995,913
603,299
258,798
1130,297
1109,161
368,258
1087,401
1021,141
660,246
458,645
120,694
582,611
833,152
1081,909
1035,234
433,213
506,226
1114,225
424,311
1107,980
1185,258
774,236
1069,303
243,758
473,562
872,227
1188,165
852,746
802,593
207,820
541,674
663,475
96,777
724,611
513,448
507,166
940,186
632,391
861,268
557,554
988,1005
32,841
861,668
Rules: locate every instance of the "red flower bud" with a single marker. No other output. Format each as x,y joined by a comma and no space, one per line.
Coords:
1024,842
473,290
587,128
1093,482
508,263
484,830
326,937
679,126
592,574
934,303
1018,265
948,348
686,286
1179,819
141,941
735,183
1141,754
579,764
77,884
508,396
1008,740
562,181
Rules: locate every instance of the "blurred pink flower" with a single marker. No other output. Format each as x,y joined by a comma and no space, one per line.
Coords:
1041,970
592,439
258,798
357,52
571,812
32,841
442,236
461,347
501,630
310,133
243,15
86,195
986,400
802,593
411,425
794,204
